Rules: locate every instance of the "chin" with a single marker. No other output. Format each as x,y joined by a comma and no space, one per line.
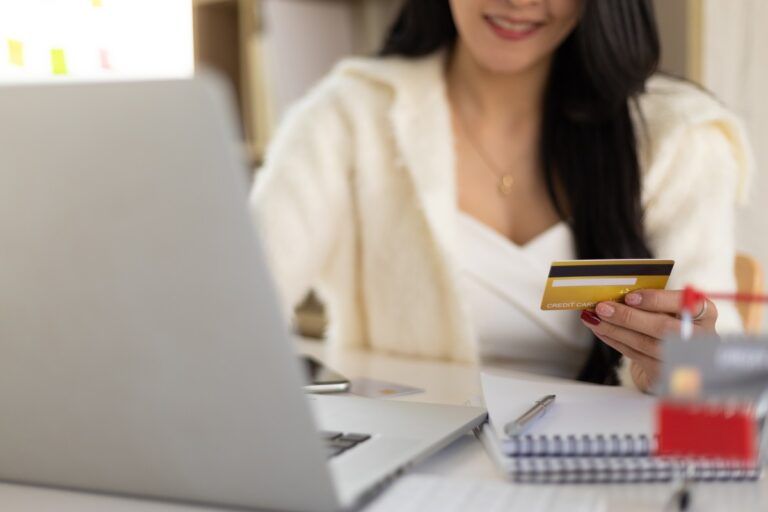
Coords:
506,64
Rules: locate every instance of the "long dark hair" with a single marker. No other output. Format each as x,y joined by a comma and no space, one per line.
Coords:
588,143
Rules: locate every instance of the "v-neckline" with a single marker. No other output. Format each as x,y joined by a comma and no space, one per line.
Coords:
514,272
499,238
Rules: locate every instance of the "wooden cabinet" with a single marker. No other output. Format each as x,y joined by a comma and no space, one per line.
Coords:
680,30
272,51
228,40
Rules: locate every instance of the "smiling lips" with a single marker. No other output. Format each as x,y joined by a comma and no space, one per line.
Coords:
512,30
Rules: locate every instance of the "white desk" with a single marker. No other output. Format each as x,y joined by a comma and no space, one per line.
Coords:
452,383
446,383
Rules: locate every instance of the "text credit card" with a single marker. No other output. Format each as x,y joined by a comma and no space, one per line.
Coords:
581,284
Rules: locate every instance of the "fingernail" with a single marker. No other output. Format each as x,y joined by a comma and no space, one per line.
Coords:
590,317
605,310
633,299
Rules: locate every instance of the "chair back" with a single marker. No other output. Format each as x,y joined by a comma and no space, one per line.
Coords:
749,279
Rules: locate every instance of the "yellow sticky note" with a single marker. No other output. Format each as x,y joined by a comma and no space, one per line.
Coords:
16,52
59,62
96,3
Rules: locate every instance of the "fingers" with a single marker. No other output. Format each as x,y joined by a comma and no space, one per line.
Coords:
637,341
710,314
648,363
659,301
651,324
645,371
666,301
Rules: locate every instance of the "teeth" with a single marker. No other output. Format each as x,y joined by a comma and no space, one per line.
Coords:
509,25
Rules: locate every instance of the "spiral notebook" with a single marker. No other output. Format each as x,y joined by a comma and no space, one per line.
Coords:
590,434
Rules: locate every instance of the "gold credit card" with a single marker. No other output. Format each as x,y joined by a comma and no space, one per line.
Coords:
581,284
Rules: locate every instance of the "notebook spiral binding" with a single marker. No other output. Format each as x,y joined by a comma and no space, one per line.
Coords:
608,459
567,470
593,446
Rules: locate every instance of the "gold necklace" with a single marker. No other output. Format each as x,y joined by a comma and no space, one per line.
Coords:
505,180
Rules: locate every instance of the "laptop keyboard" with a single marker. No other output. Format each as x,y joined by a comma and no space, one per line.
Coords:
337,443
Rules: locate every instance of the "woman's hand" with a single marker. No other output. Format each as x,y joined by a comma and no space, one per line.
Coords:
636,328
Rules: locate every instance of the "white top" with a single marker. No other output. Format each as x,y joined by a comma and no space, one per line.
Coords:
496,276
357,199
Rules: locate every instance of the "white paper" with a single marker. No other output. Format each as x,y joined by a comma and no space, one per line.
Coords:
579,409
427,493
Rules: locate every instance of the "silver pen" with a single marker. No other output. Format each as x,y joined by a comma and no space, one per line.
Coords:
518,426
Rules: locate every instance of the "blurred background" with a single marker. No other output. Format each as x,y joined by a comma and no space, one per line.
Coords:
272,51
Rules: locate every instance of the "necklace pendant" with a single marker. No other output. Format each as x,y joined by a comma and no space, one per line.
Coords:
505,184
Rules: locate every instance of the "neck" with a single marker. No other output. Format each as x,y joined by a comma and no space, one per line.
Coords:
505,98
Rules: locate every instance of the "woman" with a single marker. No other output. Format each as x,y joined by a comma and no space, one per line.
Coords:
424,193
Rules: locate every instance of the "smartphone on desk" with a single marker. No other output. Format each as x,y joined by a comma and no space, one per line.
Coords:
322,379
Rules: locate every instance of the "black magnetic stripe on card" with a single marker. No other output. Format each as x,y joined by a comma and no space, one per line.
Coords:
611,270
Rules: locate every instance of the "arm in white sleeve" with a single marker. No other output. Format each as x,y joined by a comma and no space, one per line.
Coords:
692,219
302,193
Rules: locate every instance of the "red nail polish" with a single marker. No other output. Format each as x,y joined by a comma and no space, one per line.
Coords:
590,317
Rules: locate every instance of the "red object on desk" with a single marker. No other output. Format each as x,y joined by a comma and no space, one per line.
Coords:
707,431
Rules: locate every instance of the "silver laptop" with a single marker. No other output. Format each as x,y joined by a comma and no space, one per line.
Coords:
142,351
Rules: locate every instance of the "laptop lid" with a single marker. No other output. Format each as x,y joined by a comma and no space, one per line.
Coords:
141,347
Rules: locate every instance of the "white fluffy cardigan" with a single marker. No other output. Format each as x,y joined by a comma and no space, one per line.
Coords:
357,199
